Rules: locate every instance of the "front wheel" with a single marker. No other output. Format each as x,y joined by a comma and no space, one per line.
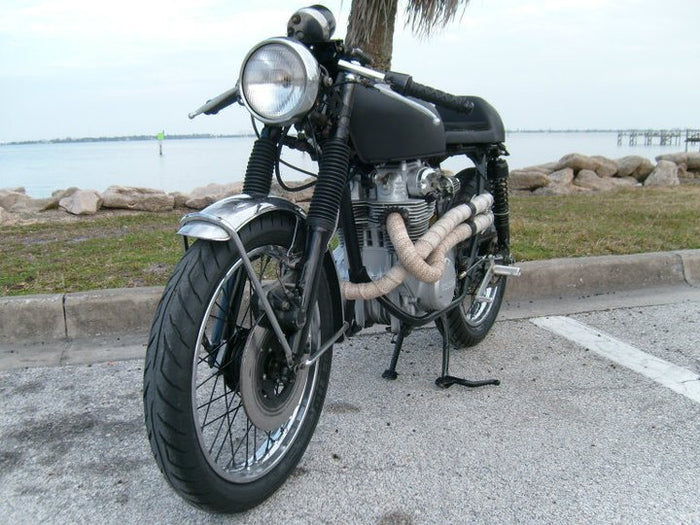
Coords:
227,419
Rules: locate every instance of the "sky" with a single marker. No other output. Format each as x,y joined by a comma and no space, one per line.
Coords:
78,68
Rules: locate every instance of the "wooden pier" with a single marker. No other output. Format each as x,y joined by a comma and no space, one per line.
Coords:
661,137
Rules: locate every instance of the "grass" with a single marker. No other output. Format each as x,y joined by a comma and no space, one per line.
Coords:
142,249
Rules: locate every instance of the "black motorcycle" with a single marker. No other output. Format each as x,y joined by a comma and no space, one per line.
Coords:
239,354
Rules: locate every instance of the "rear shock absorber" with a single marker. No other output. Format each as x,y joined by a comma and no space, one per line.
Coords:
497,172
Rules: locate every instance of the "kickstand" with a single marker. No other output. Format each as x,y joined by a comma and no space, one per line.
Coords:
446,380
390,373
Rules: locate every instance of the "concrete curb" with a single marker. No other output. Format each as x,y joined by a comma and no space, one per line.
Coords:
98,313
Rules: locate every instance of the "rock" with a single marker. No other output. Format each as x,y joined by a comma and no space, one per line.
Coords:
294,196
82,202
591,180
624,182
693,161
690,159
604,166
35,205
559,189
577,162
527,180
205,195
685,174
7,218
143,199
665,174
179,198
18,189
563,177
13,200
560,184
634,166
59,194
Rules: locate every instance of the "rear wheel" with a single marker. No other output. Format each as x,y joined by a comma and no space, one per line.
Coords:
470,322
227,419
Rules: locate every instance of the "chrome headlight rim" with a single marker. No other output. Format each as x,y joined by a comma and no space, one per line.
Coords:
312,74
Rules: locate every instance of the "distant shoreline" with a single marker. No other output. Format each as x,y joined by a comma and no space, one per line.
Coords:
127,138
138,138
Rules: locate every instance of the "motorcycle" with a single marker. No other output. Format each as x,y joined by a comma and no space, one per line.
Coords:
239,354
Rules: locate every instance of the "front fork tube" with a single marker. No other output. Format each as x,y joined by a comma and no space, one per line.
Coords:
323,213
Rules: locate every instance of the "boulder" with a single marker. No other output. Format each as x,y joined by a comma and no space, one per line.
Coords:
665,174
577,162
60,194
81,202
205,195
559,189
18,189
294,196
685,174
624,182
13,200
563,177
560,184
634,166
179,198
142,199
693,162
604,166
591,180
7,218
526,179
690,159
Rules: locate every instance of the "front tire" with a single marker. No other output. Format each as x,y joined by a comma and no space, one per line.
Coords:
208,344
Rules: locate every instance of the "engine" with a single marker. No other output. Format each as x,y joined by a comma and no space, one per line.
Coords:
413,188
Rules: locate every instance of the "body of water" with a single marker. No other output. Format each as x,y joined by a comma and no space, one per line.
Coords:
186,164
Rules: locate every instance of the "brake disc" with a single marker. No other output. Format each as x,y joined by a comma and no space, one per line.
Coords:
269,389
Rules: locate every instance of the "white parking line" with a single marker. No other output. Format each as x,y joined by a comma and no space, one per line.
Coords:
669,375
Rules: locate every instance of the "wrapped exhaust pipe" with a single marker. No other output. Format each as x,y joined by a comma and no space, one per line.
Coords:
412,257
442,236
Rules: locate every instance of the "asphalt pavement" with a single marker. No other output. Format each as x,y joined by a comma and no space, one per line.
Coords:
570,435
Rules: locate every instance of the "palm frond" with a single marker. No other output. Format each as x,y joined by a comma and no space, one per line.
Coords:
425,15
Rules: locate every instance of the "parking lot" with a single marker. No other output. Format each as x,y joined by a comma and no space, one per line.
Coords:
572,434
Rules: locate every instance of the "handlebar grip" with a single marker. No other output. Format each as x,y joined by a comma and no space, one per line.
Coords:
213,106
405,85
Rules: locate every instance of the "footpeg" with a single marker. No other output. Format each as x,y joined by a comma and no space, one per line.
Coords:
511,271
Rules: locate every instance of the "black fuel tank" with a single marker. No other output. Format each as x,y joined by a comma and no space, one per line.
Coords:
384,129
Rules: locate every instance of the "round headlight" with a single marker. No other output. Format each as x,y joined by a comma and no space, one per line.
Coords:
279,81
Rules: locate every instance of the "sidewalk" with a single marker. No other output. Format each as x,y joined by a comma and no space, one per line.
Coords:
99,313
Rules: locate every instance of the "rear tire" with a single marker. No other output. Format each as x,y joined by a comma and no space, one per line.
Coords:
198,427
470,322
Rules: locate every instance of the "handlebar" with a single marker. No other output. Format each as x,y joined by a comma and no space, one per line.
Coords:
213,106
405,85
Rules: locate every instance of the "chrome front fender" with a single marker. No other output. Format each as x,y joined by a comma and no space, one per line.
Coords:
233,212
214,221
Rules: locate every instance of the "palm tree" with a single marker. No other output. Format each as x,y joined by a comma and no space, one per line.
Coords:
371,23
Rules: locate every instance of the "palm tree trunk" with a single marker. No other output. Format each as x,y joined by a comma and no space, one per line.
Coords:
371,28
